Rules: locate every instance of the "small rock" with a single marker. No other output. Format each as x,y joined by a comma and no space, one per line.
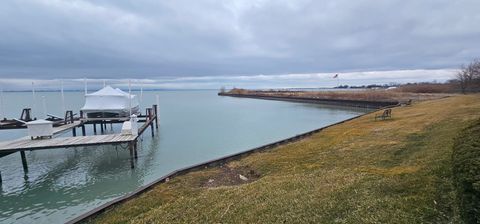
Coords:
242,177
167,179
210,180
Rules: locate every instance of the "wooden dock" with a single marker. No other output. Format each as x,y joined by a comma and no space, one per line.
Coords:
27,144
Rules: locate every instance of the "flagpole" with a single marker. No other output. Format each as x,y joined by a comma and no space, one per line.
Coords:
85,84
33,96
2,111
63,98
141,92
44,107
130,95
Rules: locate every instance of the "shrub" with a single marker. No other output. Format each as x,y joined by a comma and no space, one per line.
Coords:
466,168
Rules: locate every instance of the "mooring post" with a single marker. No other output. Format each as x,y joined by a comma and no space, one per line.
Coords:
74,131
83,130
155,109
24,161
135,149
130,147
150,119
95,128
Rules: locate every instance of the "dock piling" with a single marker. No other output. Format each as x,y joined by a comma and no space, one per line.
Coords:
83,130
135,149
101,126
155,109
130,147
150,118
74,131
24,161
95,128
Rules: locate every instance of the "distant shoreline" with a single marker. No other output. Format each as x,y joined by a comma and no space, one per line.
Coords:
338,102
365,98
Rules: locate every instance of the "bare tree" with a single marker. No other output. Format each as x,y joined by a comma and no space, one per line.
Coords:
462,77
469,76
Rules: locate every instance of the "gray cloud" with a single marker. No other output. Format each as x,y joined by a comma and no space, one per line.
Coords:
305,80
154,39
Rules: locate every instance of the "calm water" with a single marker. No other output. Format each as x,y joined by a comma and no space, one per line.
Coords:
195,126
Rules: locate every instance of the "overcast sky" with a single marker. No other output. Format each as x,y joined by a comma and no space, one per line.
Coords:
150,39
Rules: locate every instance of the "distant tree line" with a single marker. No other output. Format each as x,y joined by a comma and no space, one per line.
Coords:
371,86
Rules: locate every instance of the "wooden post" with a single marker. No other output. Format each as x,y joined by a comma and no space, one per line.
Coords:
74,131
130,147
135,149
155,109
95,128
101,126
150,117
1,178
24,161
83,130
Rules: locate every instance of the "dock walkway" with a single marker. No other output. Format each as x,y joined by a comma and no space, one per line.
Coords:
64,142
66,127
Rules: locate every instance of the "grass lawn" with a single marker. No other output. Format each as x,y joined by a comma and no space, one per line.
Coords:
361,171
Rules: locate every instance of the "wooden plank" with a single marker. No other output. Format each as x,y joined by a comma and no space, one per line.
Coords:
63,142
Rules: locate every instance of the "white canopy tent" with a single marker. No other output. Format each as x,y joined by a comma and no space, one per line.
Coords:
109,103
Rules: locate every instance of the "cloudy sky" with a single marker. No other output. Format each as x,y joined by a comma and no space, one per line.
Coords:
217,42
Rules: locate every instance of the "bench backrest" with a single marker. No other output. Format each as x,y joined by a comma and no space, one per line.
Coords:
387,112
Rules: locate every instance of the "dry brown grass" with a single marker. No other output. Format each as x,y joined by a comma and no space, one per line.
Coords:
362,171
429,88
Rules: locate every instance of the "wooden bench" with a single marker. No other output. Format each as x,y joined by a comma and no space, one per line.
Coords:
386,114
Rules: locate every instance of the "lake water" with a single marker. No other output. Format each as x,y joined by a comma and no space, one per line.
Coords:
195,126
